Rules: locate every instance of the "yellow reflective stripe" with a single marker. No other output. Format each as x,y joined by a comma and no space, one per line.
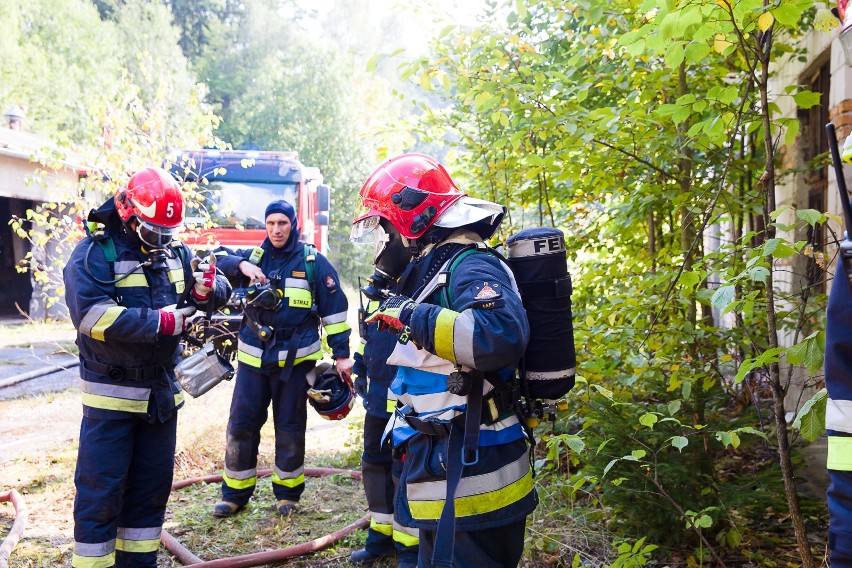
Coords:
93,561
337,328
137,545
132,281
383,528
405,539
179,397
298,298
111,403
316,356
251,360
239,483
443,338
390,406
107,319
289,482
360,348
839,453
475,504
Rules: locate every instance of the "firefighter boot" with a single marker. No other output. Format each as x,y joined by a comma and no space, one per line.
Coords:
285,508
224,509
363,557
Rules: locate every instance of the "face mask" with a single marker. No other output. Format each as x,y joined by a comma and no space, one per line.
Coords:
392,252
153,236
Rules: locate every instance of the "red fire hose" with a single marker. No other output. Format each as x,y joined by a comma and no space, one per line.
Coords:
260,558
17,530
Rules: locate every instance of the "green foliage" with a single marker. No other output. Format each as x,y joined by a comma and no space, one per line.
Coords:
636,129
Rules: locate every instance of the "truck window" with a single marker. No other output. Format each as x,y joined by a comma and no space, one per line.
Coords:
239,203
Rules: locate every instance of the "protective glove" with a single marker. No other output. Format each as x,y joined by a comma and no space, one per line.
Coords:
205,277
395,312
174,320
361,386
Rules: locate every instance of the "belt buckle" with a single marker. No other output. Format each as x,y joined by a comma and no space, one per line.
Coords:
116,373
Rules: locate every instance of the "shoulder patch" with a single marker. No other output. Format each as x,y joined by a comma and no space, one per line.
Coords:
488,292
329,282
489,295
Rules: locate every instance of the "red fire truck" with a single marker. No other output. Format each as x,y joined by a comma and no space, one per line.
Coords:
234,188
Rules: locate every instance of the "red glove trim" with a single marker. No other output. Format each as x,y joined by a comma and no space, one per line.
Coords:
167,323
198,296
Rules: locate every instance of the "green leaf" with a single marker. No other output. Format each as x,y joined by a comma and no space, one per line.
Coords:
679,442
806,99
810,216
648,420
791,132
723,296
810,420
809,352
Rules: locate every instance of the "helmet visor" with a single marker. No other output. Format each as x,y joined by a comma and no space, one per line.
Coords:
155,236
364,231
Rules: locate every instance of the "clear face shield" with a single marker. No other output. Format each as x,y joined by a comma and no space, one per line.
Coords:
392,254
155,236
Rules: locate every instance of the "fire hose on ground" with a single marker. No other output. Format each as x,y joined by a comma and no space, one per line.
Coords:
260,558
181,552
18,526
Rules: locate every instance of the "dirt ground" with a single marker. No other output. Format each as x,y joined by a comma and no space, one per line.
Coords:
39,432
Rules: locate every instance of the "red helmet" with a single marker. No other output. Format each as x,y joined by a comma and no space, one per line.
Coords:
411,191
154,197
331,395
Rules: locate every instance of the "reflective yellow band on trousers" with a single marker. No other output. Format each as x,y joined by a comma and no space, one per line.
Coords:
840,453
475,504
239,483
93,561
383,528
137,545
405,539
289,482
110,403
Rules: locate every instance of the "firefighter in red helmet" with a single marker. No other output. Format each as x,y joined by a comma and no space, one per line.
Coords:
130,288
466,481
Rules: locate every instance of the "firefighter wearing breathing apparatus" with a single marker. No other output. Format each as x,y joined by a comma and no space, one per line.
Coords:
293,291
123,284
379,472
466,481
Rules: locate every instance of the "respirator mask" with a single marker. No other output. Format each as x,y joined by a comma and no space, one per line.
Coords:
393,254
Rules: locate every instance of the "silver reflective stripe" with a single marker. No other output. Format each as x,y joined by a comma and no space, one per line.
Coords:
94,315
434,401
148,533
551,244
240,475
296,283
838,415
250,349
303,352
115,391
96,549
474,485
551,375
289,474
382,518
409,355
123,267
174,263
463,329
404,530
334,318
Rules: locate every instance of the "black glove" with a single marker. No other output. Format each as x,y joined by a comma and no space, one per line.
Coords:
395,312
361,386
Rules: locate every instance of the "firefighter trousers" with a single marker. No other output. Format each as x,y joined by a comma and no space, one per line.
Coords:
380,475
500,547
123,480
253,391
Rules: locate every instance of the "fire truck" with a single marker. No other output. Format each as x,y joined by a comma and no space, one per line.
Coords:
235,186
232,192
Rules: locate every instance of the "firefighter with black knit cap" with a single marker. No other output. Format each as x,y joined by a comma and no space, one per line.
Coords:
466,480
279,345
379,472
123,284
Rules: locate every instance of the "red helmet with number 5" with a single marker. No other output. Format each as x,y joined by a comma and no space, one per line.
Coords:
154,198
411,191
